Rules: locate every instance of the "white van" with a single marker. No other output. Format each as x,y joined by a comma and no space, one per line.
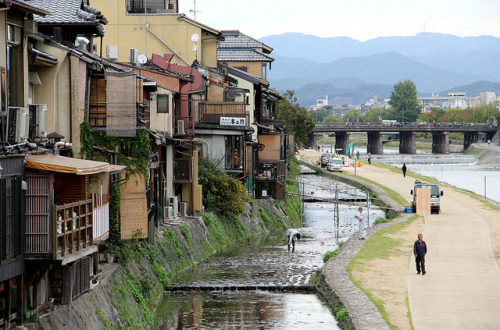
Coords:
335,164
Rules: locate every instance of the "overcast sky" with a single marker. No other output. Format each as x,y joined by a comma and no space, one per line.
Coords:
358,19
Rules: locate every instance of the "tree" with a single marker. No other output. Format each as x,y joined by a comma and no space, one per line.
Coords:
485,113
352,116
374,115
331,119
404,101
297,119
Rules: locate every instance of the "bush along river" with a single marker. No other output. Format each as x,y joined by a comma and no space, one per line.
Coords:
262,283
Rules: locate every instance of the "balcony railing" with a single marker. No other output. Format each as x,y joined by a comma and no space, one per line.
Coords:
73,227
97,115
182,170
211,112
272,170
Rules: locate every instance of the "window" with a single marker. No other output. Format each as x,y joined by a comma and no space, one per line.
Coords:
15,75
10,212
234,152
151,6
162,104
264,71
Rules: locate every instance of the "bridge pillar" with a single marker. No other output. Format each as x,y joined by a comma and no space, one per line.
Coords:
470,138
341,141
440,142
374,143
407,144
312,141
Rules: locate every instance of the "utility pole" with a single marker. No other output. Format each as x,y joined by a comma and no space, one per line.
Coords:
194,11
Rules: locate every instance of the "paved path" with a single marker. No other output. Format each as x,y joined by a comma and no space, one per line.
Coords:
462,287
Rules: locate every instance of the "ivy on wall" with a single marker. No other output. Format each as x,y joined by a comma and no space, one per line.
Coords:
132,152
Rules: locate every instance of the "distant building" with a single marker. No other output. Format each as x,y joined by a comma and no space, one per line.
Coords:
320,103
488,97
377,102
458,100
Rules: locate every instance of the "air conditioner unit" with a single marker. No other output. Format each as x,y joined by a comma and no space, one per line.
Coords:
112,52
183,208
39,116
180,127
134,55
169,213
173,202
18,123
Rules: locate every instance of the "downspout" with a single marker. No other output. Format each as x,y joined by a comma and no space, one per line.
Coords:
166,45
70,100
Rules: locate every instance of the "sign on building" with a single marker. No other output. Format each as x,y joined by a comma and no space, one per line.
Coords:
233,121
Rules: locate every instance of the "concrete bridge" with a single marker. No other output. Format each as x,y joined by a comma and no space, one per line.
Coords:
407,132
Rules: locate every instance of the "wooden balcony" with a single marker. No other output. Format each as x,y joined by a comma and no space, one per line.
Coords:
73,227
211,112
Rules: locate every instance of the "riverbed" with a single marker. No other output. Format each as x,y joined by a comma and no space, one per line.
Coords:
263,283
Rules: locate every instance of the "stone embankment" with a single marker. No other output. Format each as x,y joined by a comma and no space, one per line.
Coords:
128,292
334,283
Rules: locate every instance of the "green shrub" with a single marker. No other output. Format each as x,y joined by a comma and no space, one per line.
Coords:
329,254
222,194
380,220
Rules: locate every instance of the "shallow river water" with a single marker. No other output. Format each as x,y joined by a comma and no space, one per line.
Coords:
262,264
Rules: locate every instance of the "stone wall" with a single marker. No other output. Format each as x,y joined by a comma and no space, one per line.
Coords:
128,293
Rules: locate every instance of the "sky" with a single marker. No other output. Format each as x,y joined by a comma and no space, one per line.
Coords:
359,19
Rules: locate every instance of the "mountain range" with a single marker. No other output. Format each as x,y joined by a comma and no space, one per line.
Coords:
347,69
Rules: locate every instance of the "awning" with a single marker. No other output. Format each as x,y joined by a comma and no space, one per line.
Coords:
62,164
116,168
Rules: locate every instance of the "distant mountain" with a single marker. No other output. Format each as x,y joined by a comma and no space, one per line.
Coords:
386,68
474,89
421,45
345,67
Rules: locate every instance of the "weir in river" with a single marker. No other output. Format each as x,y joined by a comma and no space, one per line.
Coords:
262,283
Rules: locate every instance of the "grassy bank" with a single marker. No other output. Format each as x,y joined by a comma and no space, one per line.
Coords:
382,257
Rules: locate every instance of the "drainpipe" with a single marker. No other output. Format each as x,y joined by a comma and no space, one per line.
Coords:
166,45
59,145
70,100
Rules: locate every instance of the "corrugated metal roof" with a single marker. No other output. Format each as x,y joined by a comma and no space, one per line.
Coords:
67,12
247,76
242,55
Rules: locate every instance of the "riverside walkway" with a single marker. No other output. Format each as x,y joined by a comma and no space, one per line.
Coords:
462,284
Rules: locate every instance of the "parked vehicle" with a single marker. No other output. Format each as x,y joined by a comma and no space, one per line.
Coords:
335,164
435,195
325,158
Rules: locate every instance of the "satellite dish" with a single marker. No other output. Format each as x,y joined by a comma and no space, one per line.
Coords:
195,48
142,59
195,37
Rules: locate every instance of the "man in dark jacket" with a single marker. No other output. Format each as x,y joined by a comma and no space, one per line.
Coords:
404,170
420,250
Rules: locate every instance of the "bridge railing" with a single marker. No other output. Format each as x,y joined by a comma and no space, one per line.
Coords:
474,126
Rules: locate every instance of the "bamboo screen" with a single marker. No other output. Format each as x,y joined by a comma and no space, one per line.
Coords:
121,106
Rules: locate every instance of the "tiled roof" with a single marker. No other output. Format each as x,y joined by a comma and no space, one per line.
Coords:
30,6
236,39
67,12
242,55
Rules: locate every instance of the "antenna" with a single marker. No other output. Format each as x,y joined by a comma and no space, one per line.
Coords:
194,11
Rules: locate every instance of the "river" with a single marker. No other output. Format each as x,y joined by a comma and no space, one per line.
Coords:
263,284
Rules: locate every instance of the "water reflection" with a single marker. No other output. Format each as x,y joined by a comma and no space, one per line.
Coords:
236,310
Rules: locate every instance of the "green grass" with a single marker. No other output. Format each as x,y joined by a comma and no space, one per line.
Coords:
472,152
379,246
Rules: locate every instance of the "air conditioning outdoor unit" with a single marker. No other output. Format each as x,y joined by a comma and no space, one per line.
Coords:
112,52
18,123
169,213
39,117
134,55
173,202
183,208
180,126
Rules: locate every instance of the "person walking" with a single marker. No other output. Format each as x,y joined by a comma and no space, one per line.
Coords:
404,170
361,218
291,233
420,250
370,159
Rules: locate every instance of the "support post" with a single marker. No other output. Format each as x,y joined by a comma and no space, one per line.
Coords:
374,145
440,142
341,141
470,138
407,143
